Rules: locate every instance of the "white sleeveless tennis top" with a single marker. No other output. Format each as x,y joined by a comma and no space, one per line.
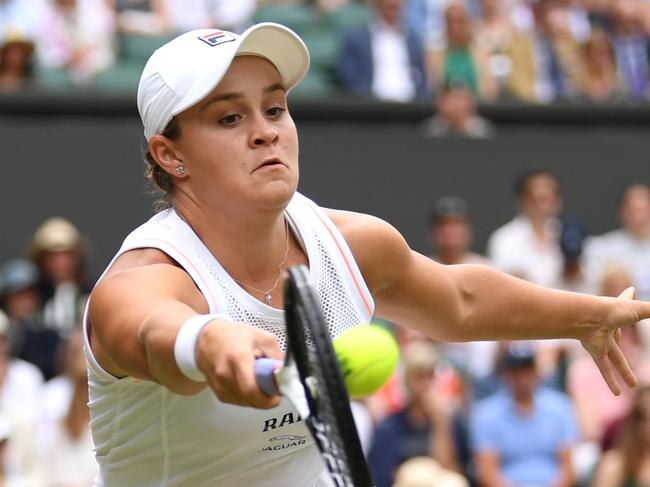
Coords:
146,436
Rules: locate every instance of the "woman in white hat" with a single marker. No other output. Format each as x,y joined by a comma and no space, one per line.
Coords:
194,295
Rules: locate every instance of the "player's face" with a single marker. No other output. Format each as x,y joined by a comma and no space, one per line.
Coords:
239,145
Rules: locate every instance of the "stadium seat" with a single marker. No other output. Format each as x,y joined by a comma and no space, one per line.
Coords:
53,78
138,48
123,76
298,18
317,83
349,16
323,45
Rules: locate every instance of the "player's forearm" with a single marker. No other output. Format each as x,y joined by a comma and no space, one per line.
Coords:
158,336
496,306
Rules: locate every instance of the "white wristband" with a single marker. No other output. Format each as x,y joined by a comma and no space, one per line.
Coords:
185,345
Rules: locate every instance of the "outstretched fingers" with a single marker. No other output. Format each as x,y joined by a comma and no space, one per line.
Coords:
628,293
642,309
620,363
607,371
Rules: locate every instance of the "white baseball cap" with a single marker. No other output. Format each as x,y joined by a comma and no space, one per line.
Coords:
182,72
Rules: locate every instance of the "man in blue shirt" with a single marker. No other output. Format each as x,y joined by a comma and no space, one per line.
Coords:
522,435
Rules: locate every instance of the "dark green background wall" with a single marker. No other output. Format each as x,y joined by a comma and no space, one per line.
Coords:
79,157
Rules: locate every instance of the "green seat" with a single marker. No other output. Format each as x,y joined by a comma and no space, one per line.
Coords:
53,78
349,16
138,48
323,44
123,76
296,17
317,83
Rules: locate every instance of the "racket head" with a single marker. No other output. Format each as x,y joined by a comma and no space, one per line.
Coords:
310,347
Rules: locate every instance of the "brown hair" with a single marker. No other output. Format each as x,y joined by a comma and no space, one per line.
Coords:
160,182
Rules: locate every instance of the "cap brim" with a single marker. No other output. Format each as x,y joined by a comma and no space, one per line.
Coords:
274,42
281,46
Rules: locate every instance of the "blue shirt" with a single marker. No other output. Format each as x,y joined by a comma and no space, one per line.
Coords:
527,445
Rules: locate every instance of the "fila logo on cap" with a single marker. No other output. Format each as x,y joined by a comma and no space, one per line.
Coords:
217,37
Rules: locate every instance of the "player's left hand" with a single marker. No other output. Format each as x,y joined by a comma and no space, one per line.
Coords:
603,343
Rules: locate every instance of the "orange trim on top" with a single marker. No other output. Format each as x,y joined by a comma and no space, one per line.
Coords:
347,263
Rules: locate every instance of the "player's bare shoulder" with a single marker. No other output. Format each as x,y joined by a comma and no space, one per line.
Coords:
378,248
143,272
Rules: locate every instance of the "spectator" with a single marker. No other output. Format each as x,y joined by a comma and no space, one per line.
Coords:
523,434
629,245
183,15
391,398
631,45
159,17
10,472
29,338
20,381
80,38
236,16
457,115
23,15
427,19
461,60
450,233
509,49
421,428
557,53
58,391
628,465
528,246
66,441
599,13
139,17
58,249
383,58
16,55
426,472
572,277
577,19
600,79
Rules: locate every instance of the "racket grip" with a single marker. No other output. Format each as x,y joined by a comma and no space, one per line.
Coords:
265,375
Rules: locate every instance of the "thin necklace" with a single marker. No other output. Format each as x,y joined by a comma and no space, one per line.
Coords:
267,293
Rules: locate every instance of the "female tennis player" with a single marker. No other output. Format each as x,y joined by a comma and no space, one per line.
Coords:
194,295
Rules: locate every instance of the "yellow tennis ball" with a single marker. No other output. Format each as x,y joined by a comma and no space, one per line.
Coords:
368,355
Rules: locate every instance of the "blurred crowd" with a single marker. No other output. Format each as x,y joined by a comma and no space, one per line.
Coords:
45,436
522,414
532,51
489,414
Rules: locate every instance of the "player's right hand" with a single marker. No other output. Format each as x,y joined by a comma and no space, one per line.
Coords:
226,353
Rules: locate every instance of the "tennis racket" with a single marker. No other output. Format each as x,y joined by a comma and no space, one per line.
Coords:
312,380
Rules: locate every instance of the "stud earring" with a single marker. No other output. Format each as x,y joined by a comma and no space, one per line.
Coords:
180,170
